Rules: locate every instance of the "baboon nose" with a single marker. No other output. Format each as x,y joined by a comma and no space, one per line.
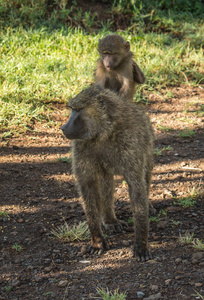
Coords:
62,128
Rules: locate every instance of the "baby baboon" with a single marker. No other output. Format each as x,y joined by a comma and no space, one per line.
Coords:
116,70
111,137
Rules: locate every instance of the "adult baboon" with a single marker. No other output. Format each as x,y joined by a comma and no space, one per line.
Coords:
116,70
111,137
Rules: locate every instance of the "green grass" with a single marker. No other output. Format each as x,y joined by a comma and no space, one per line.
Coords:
191,197
198,244
8,288
17,247
185,202
130,220
69,233
40,66
175,223
154,219
108,295
197,294
64,159
186,133
48,293
3,213
159,151
162,214
200,112
164,128
187,238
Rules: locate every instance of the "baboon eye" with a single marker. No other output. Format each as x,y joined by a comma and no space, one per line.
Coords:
72,108
107,53
77,109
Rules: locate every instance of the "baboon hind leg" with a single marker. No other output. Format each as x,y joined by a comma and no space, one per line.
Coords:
152,210
140,210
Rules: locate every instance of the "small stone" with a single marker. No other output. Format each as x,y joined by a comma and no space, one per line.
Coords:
152,261
18,260
140,295
84,261
47,261
162,224
185,262
126,243
168,281
154,288
197,257
38,278
56,251
198,284
83,250
30,267
15,147
14,232
153,297
15,282
20,220
63,283
48,269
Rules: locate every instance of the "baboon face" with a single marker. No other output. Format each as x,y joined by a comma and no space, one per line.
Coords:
112,50
85,121
75,127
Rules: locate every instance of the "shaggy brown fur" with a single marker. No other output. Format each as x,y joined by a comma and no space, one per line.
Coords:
111,137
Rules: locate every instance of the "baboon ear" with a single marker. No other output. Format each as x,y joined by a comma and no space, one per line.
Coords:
127,45
137,74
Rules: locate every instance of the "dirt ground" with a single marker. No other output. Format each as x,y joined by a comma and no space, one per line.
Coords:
37,194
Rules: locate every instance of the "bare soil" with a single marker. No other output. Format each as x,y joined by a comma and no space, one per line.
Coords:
37,193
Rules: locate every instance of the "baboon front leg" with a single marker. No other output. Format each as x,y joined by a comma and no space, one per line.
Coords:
140,209
126,91
109,219
92,205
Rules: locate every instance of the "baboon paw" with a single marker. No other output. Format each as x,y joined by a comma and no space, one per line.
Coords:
92,250
116,227
98,247
142,255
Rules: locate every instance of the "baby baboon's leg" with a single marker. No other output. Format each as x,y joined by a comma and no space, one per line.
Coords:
140,209
110,221
92,205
